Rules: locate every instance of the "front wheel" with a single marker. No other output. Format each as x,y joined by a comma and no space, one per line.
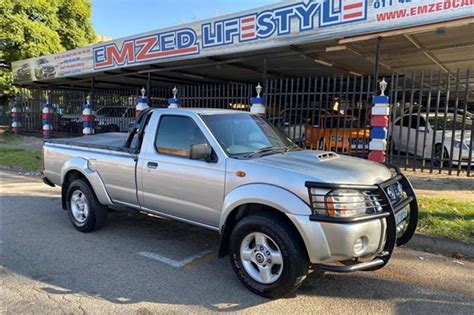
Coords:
266,255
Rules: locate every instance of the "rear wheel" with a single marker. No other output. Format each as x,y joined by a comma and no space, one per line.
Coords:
440,154
266,255
83,208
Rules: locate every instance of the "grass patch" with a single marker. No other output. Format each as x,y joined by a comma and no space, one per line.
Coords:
448,218
24,159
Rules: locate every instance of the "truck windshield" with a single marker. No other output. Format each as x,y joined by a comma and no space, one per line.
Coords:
247,136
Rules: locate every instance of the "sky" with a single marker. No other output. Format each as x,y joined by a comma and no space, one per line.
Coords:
120,18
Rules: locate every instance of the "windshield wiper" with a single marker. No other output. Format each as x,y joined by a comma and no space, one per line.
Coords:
266,151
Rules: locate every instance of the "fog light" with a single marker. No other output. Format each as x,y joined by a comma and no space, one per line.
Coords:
360,246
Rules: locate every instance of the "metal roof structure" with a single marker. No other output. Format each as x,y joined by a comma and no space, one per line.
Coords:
287,39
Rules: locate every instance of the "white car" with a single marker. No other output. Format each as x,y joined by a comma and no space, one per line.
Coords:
106,119
405,134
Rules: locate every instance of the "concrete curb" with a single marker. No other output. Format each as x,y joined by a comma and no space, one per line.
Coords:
20,171
440,245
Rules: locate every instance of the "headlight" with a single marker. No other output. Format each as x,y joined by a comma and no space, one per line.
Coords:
345,203
336,138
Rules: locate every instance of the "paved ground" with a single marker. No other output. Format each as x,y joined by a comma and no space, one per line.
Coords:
48,267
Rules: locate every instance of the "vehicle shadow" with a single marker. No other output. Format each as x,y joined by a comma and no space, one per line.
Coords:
40,244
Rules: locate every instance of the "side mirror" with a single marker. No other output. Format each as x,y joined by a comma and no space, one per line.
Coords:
201,151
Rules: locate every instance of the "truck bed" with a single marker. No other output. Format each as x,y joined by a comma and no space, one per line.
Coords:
109,141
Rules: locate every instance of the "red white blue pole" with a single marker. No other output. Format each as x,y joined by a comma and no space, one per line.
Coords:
258,103
15,115
174,101
47,117
379,125
142,103
88,117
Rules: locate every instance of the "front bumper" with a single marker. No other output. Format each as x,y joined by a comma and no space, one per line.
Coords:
364,242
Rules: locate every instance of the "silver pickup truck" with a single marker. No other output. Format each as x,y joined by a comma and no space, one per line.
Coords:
281,211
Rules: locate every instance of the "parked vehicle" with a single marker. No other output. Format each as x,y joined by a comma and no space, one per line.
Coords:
115,118
280,210
44,69
107,119
292,121
339,133
24,73
435,136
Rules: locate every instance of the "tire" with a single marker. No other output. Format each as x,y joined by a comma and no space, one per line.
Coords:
438,158
81,196
282,279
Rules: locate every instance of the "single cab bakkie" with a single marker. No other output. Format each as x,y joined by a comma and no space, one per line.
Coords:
281,211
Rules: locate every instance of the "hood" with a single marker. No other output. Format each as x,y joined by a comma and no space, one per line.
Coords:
457,135
327,167
449,135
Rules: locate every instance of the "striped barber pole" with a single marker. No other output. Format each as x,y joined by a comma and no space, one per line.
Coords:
47,117
379,126
88,117
258,103
174,101
142,103
15,116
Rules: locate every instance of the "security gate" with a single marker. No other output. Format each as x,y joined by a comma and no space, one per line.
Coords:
430,119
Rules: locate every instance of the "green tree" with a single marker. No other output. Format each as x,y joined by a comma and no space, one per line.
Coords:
39,27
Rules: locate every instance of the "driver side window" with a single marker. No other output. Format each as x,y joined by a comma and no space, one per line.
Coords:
176,135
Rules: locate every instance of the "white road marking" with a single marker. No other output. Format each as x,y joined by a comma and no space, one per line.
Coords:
174,263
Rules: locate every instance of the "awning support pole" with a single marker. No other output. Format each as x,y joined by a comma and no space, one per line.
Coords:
265,74
148,83
376,65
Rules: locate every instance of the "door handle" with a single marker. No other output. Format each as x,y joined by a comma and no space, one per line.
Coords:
152,165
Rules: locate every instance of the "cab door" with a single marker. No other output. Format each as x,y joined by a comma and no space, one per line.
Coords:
171,182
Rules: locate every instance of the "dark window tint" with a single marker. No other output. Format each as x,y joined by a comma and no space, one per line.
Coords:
176,135
406,121
414,122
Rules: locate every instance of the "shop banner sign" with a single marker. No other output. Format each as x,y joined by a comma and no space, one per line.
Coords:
267,27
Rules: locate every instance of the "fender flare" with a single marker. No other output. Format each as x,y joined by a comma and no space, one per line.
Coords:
81,165
268,195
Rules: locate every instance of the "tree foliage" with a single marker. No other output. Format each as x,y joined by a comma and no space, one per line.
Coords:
39,27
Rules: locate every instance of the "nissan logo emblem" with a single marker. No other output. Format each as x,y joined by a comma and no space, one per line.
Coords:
391,193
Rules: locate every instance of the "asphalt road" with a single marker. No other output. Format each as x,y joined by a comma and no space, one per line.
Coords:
127,267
